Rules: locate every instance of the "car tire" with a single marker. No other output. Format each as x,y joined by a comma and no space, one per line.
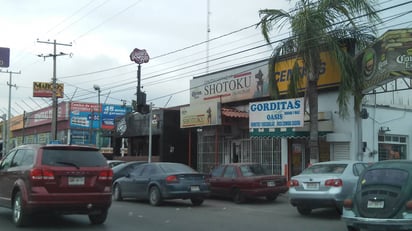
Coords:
117,193
238,196
99,218
20,216
351,228
304,210
197,201
155,198
271,197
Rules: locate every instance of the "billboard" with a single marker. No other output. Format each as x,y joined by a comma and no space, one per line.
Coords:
4,57
44,116
44,89
110,113
276,113
200,115
236,84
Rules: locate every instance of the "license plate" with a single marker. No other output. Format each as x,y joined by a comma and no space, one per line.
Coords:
271,184
312,186
194,188
76,180
376,204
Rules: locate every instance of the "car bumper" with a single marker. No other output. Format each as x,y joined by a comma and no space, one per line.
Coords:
315,199
377,224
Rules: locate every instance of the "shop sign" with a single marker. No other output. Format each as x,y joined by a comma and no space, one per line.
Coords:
276,114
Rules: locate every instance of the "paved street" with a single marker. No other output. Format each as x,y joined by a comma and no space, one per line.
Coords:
179,215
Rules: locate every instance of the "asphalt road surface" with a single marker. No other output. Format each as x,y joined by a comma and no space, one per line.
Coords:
180,215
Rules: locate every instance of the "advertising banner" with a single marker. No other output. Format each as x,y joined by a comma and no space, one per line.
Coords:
44,89
44,116
240,83
84,115
277,113
110,113
199,115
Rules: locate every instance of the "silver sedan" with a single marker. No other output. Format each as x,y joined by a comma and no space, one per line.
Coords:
324,185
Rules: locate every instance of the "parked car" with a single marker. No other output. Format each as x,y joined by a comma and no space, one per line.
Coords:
62,179
324,185
241,181
382,199
158,181
113,163
125,168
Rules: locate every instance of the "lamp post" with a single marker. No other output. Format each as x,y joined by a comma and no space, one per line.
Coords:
97,88
3,151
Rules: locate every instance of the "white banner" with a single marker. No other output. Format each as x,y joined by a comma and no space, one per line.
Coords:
277,113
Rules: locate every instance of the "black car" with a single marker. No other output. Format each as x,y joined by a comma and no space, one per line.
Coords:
158,181
125,168
382,199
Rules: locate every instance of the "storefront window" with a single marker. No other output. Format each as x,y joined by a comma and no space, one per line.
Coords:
392,147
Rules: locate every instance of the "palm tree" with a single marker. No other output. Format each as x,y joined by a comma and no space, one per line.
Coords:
318,26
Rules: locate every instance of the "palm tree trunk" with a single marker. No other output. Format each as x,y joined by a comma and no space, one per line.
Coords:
312,92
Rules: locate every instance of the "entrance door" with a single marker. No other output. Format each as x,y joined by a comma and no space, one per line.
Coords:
297,158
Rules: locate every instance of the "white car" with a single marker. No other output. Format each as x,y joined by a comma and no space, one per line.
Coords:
324,185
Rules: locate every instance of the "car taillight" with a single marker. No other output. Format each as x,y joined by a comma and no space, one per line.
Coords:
106,175
172,179
334,182
348,204
293,183
408,206
41,174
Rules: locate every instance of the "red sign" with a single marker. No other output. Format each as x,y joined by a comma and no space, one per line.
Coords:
139,56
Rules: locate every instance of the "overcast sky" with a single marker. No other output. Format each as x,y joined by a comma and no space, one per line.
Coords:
103,33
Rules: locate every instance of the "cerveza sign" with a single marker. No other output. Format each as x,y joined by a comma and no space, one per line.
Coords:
276,113
4,57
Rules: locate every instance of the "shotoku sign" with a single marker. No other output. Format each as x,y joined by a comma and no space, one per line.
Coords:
4,57
139,56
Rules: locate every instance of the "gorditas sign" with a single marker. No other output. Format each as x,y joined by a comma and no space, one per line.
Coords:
276,113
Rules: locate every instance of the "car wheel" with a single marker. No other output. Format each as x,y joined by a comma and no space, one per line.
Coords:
154,196
97,219
238,196
304,210
197,201
19,214
117,193
271,197
351,228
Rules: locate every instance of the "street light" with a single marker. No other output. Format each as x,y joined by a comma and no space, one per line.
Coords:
97,88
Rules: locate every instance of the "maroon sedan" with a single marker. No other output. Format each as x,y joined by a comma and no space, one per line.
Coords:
240,181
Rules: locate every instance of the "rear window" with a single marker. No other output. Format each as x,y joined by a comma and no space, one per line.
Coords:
76,158
175,168
396,177
252,170
325,168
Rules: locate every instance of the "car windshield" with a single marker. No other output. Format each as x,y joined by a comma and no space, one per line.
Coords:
252,170
75,158
325,169
396,177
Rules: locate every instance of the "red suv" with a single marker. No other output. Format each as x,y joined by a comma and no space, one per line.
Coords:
62,179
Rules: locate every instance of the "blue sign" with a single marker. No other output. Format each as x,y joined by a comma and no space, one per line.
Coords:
4,57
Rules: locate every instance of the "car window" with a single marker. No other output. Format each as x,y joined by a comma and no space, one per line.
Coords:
252,170
396,177
325,168
217,172
78,158
149,170
6,163
137,170
175,168
230,172
23,157
358,168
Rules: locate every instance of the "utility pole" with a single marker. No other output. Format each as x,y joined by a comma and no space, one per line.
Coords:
7,138
54,84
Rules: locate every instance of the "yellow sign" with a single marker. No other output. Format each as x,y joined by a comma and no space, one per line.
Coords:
329,73
44,89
